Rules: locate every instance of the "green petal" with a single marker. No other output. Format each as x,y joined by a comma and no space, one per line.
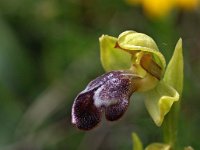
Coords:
137,144
174,72
158,146
113,58
133,41
159,101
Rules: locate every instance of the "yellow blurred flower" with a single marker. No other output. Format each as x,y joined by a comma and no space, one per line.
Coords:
162,8
187,4
157,8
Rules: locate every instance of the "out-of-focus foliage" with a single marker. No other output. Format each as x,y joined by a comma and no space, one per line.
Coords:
49,51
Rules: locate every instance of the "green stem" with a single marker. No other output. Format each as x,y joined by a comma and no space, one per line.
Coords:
170,126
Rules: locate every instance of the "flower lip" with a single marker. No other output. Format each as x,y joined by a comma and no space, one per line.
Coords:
85,115
109,92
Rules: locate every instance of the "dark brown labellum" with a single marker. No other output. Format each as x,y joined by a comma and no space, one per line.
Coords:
84,114
109,92
114,112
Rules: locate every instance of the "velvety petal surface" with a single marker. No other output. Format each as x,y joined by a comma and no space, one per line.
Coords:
109,92
114,112
85,115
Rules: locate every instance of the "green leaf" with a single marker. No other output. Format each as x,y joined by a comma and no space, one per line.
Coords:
137,144
174,72
158,146
159,101
113,58
133,41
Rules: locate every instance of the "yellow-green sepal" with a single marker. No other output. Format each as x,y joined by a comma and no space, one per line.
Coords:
159,101
113,58
158,146
137,144
174,72
133,41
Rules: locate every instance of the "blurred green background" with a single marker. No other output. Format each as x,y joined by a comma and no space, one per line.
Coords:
49,51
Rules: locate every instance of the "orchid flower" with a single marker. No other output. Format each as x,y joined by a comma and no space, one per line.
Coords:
133,63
